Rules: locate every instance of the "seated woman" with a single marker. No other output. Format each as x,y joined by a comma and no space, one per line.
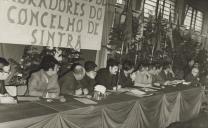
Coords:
143,78
70,82
44,83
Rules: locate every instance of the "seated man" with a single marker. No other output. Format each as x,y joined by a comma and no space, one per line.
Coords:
124,76
44,83
108,76
70,82
156,78
88,82
143,78
4,74
188,67
166,74
193,77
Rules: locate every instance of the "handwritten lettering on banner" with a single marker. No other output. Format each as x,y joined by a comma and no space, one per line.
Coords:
58,23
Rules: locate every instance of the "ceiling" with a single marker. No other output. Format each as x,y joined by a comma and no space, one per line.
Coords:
199,4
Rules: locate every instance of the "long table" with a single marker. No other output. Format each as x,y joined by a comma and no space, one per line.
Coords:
116,111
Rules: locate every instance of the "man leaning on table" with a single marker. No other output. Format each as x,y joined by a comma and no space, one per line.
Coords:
88,82
70,83
44,83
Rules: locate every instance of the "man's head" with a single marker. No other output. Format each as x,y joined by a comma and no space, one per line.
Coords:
191,62
195,72
127,67
196,65
159,68
78,71
144,66
152,68
50,65
166,67
90,68
112,66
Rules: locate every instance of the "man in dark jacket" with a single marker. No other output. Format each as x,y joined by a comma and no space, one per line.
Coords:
108,76
70,82
166,74
88,82
124,75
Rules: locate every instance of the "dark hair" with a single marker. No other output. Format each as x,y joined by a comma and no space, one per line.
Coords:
74,65
48,62
112,62
4,61
158,66
145,64
127,65
166,65
77,68
90,66
152,65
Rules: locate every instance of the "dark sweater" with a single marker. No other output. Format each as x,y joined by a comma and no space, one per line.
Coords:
125,81
105,78
88,83
69,84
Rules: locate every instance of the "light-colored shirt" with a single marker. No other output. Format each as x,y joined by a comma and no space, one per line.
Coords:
143,79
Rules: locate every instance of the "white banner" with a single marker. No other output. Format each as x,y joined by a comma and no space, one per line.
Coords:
58,23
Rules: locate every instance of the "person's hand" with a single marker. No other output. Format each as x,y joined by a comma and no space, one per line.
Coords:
157,84
167,83
78,92
118,87
85,91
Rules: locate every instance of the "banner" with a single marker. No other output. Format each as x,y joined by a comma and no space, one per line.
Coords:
59,23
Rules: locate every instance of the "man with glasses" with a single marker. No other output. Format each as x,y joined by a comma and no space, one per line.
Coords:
4,73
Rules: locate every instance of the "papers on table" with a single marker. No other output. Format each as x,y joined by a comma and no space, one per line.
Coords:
85,100
7,100
137,92
28,98
186,83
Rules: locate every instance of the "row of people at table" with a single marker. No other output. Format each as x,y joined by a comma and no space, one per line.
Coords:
82,80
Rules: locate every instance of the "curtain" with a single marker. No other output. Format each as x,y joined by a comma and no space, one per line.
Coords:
157,111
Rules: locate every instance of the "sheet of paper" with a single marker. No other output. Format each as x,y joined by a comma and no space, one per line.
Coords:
85,100
27,98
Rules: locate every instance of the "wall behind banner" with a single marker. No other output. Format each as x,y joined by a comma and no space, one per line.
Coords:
11,51
15,52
